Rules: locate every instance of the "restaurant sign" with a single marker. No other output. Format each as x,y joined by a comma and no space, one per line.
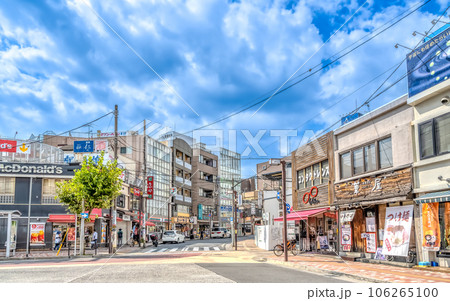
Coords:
395,183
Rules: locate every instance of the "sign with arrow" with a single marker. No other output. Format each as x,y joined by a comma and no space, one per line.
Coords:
84,215
23,148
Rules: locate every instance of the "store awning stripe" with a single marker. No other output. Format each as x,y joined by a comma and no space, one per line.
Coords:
300,215
435,197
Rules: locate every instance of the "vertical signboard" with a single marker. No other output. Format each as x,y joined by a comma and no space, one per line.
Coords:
430,223
397,230
150,187
346,237
37,234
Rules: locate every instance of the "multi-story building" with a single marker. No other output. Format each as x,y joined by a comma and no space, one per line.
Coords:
204,188
373,182
229,176
181,207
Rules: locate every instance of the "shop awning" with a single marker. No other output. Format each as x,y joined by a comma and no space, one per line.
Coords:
299,215
441,196
70,218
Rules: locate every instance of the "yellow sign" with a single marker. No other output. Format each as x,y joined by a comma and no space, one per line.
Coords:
24,149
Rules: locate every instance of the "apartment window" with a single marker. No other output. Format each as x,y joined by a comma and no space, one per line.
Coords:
325,171
308,177
7,185
125,150
345,166
370,159
316,174
49,186
434,137
385,152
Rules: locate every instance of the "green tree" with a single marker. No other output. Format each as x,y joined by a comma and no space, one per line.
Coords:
95,184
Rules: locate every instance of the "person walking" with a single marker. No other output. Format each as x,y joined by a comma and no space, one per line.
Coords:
201,234
119,237
57,240
94,240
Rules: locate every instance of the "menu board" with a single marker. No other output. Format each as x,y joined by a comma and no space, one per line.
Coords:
371,242
103,236
37,234
346,237
370,224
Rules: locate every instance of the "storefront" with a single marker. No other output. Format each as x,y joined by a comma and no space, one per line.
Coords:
376,215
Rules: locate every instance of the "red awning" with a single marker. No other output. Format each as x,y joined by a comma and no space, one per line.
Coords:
70,218
299,215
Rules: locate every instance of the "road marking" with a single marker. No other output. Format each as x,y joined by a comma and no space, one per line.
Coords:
152,250
216,248
173,250
162,250
206,248
195,249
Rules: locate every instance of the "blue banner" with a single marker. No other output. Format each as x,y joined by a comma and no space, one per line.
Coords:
83,146
200,211
429,64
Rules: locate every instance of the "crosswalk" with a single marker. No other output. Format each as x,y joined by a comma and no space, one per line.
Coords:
184,249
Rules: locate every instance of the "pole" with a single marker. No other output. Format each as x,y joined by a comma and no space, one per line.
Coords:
235,221
75,245
283,179
232,223
29,216
112,211
8,236
82,230
144,180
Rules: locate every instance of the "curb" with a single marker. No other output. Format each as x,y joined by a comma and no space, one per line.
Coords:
319,270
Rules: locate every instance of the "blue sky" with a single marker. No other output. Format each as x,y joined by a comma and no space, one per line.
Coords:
61,66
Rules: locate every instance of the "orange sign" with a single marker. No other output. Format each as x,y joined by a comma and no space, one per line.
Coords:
37,234
430,223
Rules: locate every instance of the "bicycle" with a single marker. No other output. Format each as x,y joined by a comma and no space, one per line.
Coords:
411,256
278,250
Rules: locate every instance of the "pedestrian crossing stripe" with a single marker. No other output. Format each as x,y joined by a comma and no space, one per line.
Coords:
216,248
206,248
195,249
162,250
173,250
185,249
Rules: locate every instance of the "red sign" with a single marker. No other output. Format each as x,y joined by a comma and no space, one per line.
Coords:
9,146
150,187
137,192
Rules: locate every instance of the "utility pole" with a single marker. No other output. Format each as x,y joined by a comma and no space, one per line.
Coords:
112,210
144,200
29,215
283,179
235,219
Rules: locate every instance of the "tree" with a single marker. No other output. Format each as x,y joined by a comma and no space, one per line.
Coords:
94,185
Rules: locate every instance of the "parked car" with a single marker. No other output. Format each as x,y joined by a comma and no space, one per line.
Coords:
220,232
172,236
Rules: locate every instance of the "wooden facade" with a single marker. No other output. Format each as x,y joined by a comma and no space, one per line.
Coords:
315,155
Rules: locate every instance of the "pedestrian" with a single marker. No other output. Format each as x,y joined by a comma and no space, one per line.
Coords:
94,240
243,230
119,236
131,239
201,234
57,240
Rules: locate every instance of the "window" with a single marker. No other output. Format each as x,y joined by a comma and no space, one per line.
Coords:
308,177
345,167
300,179
7,185
125,150
358,163
313,175
434,137
370,159
325,171
49,186
385,152
442,131
316,174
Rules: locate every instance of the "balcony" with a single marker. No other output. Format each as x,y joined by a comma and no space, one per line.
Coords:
187,165
179,161
179,197
179,179
187,199
187,182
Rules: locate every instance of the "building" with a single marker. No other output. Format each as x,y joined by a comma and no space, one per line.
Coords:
313,193
431,130
205,188
181,208
229,180
38,169
373,182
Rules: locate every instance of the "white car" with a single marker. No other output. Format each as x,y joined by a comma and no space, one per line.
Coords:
220,232
172,236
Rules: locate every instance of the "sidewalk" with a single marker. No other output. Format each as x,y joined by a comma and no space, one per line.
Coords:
358,270
43,254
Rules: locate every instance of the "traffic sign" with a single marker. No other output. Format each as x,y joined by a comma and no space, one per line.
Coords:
278,195
288,208
86,146
84,215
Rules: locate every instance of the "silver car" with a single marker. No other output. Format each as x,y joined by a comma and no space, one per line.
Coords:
172,236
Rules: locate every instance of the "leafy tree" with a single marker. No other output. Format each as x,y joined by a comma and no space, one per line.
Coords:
95,184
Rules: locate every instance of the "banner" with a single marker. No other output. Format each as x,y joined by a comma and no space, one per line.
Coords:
37,234
346,237
347,216
371,242
70,234
397,230
431,240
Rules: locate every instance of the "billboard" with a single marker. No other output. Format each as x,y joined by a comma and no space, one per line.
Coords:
86,146
429,64
397,230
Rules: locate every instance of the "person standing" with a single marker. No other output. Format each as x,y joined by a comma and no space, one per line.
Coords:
201,234
119,237
94,240
57,240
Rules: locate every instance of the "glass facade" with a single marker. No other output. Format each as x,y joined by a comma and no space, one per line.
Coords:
158,166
